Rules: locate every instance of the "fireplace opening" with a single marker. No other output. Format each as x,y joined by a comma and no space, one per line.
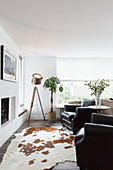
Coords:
4,110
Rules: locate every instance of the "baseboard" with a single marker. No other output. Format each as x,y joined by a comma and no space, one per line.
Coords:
37,118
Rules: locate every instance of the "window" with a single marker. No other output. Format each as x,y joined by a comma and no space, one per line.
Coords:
73,73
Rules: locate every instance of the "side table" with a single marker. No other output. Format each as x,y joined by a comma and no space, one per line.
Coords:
99,108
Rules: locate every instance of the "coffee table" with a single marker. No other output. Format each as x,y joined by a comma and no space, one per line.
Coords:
99,108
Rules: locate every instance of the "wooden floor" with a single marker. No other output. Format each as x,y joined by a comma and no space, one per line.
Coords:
35,123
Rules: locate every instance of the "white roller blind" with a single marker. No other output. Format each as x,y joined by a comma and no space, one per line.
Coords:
84,69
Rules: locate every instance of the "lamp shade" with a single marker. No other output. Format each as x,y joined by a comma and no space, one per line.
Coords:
36,78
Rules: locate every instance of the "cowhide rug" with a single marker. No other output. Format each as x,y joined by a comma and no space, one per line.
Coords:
39,148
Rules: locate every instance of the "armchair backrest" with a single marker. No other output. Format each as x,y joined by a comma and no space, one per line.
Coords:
87,102
102,119
70,107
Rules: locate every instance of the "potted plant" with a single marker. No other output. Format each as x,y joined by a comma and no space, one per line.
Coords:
97,87
52,84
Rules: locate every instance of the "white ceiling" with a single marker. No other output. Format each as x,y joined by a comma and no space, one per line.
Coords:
60,28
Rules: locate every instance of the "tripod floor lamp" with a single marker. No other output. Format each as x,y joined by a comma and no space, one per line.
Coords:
36,80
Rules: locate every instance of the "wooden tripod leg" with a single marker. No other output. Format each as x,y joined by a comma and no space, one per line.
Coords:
41,104
32,104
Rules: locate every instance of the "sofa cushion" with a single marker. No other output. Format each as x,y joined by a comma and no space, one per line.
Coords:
68,115
87,102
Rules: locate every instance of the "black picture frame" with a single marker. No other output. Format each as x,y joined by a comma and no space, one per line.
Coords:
8,65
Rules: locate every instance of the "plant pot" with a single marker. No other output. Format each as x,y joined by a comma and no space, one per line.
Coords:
52,116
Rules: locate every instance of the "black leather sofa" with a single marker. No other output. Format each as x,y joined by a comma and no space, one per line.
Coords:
94,144
75,116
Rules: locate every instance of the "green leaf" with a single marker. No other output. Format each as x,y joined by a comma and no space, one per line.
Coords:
97,86
52,84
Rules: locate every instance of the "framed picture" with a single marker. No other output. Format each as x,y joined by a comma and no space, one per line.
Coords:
8,65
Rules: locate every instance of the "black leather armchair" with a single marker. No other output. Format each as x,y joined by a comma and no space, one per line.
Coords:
83,115
75,116
68,115
94,144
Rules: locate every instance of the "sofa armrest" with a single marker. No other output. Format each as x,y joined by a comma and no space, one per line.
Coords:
98,130
102,119
71,107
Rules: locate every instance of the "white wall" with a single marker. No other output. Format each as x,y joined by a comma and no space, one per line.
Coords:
9,89
46,67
